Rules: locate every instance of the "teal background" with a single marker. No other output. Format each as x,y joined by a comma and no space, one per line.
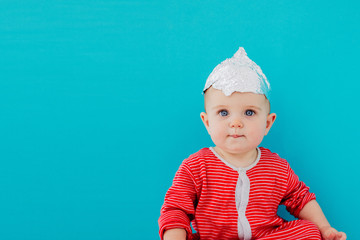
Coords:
100,103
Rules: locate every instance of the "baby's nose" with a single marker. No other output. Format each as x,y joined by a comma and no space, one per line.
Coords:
236,124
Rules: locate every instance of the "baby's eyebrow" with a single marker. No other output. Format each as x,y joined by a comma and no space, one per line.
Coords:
250,106
258,108
219,106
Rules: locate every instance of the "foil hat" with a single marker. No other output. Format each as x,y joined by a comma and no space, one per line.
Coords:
238,74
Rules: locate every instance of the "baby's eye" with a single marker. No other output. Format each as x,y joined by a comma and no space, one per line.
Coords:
249,112
223,113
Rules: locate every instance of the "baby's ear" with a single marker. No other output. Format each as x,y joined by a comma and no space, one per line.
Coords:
269,122
204,119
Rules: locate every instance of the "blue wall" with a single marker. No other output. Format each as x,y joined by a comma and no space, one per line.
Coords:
100,103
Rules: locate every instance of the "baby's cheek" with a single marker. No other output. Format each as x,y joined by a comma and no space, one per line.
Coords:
217,135
258,135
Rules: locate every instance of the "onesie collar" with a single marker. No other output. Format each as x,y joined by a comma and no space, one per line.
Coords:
238,169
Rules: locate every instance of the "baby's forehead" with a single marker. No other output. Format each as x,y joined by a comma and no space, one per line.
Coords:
218,95
214,97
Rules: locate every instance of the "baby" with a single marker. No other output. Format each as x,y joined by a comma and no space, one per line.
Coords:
233,190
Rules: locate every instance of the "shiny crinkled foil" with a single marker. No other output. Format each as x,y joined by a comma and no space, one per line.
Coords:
238,74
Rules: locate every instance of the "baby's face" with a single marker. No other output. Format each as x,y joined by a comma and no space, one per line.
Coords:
236,123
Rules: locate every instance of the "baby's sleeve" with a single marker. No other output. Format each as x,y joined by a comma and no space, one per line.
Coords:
297,194
179,205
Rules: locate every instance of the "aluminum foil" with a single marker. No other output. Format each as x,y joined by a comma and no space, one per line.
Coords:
238,74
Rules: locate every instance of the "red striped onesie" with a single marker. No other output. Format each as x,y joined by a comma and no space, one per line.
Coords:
226,203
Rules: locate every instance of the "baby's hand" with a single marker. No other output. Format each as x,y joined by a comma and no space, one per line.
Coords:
329,233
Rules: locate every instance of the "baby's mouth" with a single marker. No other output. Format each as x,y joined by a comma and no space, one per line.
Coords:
236,135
